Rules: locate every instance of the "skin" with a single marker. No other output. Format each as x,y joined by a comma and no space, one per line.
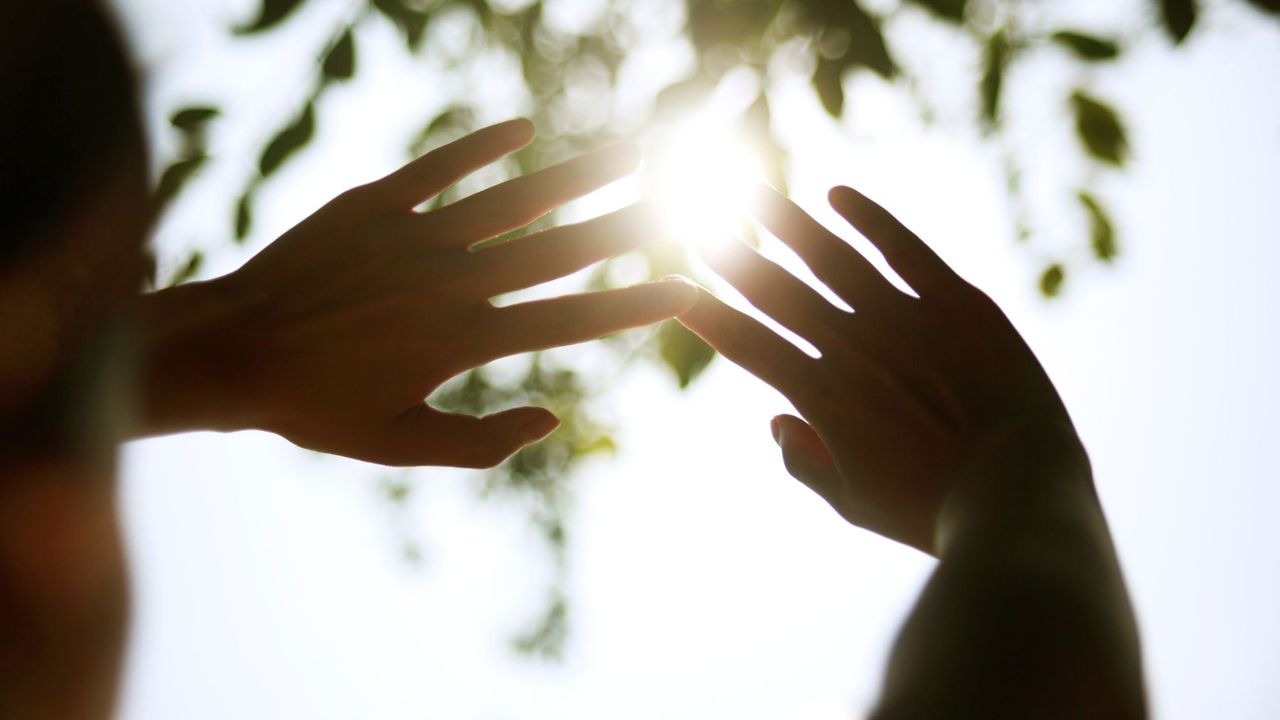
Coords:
333,336
928,420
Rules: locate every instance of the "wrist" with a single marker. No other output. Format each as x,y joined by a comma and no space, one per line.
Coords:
1020,475
191,353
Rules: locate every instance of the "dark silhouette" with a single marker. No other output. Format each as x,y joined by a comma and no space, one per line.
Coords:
930,421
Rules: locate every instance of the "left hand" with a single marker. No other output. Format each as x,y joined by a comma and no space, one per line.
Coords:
334,335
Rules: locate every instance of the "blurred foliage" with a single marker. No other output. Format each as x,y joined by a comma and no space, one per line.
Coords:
570,78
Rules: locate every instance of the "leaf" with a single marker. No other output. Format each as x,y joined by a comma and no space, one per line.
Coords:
340,63
739,24
244,215
828,81
1179,16
1100,129
1102,236
1051,280
273,12
192,119
453,119
547,638
685,353
757,127
867,46
1087,47
411,22
188,269
174,178
952,10
995,57
288,141
1271,6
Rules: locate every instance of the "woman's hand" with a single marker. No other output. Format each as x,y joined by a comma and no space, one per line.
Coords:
335,334
908,390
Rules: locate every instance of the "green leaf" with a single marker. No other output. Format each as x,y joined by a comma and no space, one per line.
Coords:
867,46
244,215
952,10
828,82
739,24
685,353
1051,280
757,126
411,22
1179,16
193,119
188,269
174,178
1102,235
340,63
1100,129
1087,47
1271,6
547,638
995,58
456,118
272,13
288,141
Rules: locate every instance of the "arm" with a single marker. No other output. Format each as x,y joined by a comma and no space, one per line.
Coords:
1026,614
335,334
928,420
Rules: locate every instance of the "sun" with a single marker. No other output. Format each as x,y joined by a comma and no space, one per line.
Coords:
703,177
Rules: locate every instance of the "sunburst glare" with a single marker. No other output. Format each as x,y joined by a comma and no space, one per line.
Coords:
703,177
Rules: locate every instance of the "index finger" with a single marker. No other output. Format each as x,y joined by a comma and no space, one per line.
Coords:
906,253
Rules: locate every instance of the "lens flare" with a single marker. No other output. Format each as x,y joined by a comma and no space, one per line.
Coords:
703,179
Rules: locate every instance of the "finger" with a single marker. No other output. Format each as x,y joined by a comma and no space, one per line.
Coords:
577,318
906,253
426,436
777,292
751,345
516,203
432,173
832,260
553,253
804,455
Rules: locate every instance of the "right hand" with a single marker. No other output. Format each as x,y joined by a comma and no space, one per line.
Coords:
908,390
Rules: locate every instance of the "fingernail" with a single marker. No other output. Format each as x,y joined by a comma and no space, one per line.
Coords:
540,426
683,290
775,427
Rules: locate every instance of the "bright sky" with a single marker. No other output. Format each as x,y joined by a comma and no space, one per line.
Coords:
703,581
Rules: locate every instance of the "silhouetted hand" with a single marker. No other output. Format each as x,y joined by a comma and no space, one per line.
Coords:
335,334
908,389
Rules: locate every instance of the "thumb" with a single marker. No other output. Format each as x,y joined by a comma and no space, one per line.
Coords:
432,437
804,455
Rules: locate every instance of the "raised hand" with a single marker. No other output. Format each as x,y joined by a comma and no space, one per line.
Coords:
907,390
335,334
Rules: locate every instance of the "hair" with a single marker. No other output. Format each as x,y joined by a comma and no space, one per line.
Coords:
68,113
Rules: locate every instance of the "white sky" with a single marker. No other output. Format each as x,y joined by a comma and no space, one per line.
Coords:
704,582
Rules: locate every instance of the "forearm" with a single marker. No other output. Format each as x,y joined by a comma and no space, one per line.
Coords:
1026,614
